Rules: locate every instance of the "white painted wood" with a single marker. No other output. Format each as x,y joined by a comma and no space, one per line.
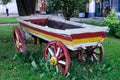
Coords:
86,29
62,62
51,52
58,52
16,35
73,48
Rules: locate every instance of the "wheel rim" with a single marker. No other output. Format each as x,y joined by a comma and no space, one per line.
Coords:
59,56
93,53
19,40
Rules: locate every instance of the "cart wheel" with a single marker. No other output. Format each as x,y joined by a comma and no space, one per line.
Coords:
19,40
94,53
58,56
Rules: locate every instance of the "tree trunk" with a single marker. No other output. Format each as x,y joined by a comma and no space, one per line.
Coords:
26,7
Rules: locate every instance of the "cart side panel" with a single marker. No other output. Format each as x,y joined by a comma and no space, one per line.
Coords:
41,22
88,37
72,39
47,35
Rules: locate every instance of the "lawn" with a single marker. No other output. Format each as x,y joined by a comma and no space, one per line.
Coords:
93,23
8,20
14,67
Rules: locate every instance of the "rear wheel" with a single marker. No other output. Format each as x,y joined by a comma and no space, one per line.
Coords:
19,40
93,53
58,56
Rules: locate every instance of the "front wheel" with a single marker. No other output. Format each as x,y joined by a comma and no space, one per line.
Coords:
58,56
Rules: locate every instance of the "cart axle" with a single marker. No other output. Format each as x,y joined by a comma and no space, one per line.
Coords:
53,61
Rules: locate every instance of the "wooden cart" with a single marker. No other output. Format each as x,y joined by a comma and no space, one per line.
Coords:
61,36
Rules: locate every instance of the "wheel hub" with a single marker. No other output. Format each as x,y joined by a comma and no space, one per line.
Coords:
53,61
17,43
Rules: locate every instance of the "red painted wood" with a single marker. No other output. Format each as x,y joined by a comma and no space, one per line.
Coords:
38,21
88,35
49,33
70,37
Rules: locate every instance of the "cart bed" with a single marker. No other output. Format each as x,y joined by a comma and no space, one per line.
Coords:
72,34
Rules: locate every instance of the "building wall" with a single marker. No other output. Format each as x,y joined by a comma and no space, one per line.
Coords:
12,7
91,12
115,5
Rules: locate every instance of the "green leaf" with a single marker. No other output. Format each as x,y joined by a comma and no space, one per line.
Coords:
34,64
15,56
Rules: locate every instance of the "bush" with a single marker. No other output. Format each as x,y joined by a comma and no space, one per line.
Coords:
114,24
69,8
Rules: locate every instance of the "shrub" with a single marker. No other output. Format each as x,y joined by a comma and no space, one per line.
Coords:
69,8
114,24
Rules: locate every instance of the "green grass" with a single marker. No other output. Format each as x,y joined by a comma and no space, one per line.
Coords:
14,67
93,23
8,20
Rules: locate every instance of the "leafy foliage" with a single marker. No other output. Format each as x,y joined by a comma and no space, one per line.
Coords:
81,5
53,6
113,22
68,7
5,1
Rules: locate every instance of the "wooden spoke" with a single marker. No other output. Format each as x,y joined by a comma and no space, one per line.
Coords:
61,56
51,52
16,35
58,52
95,57
61,62
97,53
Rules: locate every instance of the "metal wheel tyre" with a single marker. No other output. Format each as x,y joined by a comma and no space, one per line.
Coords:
58,56
93,53
19,40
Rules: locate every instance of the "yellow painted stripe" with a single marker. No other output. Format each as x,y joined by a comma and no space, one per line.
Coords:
93,39
72,43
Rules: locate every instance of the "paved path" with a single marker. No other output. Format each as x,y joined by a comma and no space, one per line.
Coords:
11,15
10,24
97,19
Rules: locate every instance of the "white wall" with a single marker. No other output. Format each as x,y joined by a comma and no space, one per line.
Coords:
1,8
12,6
92,6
